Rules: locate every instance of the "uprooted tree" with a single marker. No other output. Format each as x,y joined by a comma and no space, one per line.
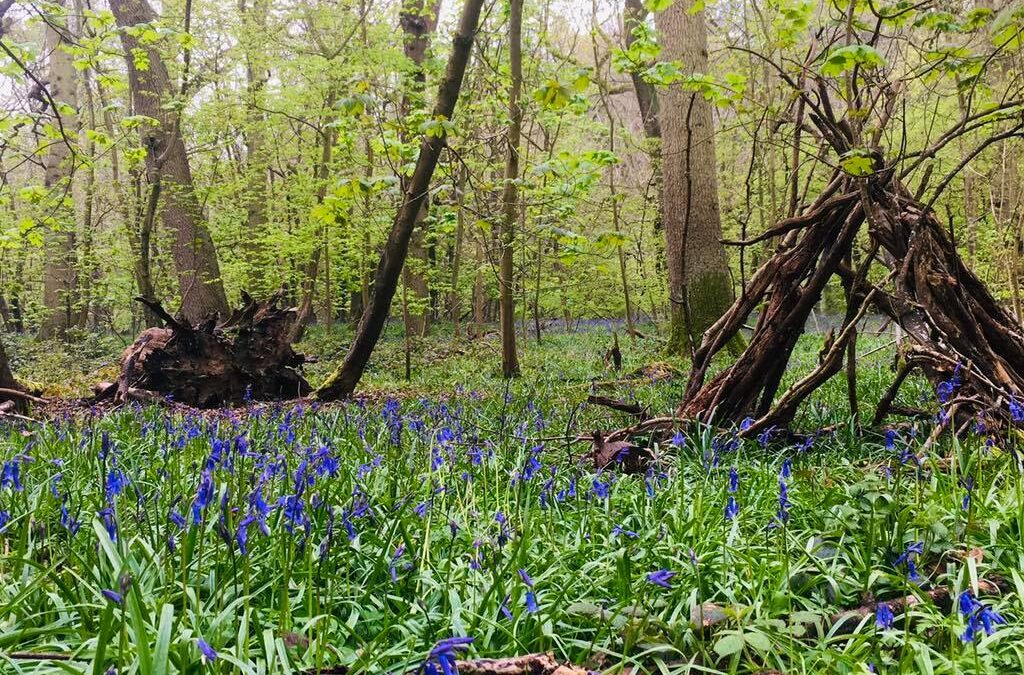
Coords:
884,243
213,363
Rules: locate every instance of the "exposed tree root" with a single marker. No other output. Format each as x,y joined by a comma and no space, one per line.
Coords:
213,364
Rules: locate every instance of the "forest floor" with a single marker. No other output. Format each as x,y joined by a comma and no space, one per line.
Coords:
283,539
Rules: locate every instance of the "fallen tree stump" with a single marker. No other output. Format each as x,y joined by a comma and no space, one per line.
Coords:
210,365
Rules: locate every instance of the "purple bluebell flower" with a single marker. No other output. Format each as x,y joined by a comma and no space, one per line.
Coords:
208,652
883,616
913,549
734,479
531,602
661,578
441,659
113,596
678,440
11,476
732,508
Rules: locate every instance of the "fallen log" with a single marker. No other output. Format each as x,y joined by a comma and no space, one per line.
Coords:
212,364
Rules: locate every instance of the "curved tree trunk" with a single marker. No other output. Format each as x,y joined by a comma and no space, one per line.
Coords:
195,259
700,289
385,281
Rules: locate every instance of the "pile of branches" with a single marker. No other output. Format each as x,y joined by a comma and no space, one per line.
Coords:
213,364
959,336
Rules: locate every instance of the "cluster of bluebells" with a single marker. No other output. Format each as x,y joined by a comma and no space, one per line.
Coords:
978,617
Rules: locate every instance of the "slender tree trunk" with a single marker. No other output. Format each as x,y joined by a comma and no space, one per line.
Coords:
254,24
478,289
60,279
418,21
700,289
195,258
510,194
343,382
454,300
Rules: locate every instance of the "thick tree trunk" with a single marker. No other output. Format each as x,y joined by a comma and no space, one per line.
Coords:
7,380
510,194
344,381
195,258
60,280
700,289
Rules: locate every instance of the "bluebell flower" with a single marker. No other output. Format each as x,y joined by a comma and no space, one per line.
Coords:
504,610
113,596
525,577
600,488
890,438
678,440
204,495
618,529
294,512
734,479
444,655
109,521
787,468
784,503
746,423
883,616
661,578
531,602
913,548
989,618
912,574
967,604
70,523
732,508
242,535
208,652
5,517
1016,410
11,476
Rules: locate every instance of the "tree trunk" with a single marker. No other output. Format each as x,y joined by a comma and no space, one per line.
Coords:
7,380
343,382
510,194
60,283
700,289
254,24
633,15
418,21
195,258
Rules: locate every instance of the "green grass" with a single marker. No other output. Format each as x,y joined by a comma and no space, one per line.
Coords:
300,598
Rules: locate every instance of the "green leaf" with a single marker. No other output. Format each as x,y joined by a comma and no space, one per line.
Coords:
729,644
163,640
658,5
846,58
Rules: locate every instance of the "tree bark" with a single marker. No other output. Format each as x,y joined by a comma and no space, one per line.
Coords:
700,289
195,258
418,21
60,282
510,194
344,381
633,15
